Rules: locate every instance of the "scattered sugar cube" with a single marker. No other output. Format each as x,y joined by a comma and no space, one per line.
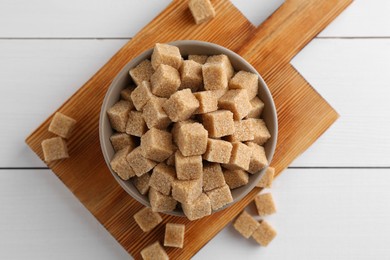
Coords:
154,114
192,139
218,151
174,235
246,80
214,76
258,158
245,224
162,178
219,123
181,105
265,204
136,125
212,176
202,10
224,60
237,101
261,133
118,115
54,149
139,163
142,72
186,191
153,252
120,165
201,59
220,197
235,178
147,219
165,81
157,145
141,95
264,233
188,167
165,54
160,202
257,108
243,131
240,157
191,75
142,183
208,102
62,125
267,178
198,208
176,127
121,140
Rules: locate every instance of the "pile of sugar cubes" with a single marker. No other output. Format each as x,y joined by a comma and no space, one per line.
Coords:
189,131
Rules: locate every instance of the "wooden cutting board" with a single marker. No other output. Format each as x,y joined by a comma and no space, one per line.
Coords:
303,114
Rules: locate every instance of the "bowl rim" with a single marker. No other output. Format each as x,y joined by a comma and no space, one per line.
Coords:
179,43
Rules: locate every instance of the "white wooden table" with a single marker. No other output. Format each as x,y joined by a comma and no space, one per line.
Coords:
333,202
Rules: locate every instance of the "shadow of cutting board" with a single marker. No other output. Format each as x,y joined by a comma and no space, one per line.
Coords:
303,114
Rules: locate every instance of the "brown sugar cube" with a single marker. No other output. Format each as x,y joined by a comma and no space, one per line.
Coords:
171,160
202,10
258,158
261,133
120,165
212,176
201,59
162,178
157,145
208,102
154,114
219,93
165,81
141,95
219,123
142,183
165,54
224,60
147,219
139,163
243,131
181,105
240,157
218,151
198,208
154,252
245,224
264,233
265,204
246,80
62,125
142,72
191,75
214,76
237,101
54,149
160,202
126,94
186,191
267,178
118,115
136,125
192,139
257,108
176,127
174,235
188,167
220,197
235,178
122,140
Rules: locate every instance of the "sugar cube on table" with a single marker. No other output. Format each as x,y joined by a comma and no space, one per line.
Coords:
235,178
240,157
147,219
245,224
174,235
165,54
165,81
243,131
202,10
162,178
237,101
225,61
219,123
264,233
154,252
136,125
154,114
201,59
261,133
157,145
198,208
62,125
142,72
212,176
246,80
258,158
188,167
139,163
119,115
267,178
141,95
192,139
186,191
220,197
181,105
54,149
218,151
191,75
265,204
160,202
208,102
257,108
214,76
120,165
142,183
122,140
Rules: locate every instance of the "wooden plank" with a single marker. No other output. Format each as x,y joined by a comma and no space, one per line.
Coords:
94,186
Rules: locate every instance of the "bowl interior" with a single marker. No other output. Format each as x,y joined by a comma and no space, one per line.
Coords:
123,80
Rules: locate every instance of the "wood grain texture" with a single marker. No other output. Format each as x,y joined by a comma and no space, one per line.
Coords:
87,176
